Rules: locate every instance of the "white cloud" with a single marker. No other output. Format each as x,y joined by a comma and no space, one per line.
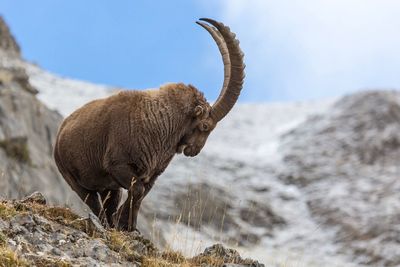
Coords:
298,49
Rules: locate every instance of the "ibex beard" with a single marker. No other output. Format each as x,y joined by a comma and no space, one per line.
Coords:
128,139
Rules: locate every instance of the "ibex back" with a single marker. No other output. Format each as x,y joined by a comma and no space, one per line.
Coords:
128,139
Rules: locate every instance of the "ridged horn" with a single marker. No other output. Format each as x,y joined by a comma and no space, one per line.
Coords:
232,57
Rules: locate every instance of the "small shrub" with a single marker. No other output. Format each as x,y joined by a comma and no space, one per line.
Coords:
47,262
156,262
207,261
173,257
3,239
6,211
17,148
121,243
9,258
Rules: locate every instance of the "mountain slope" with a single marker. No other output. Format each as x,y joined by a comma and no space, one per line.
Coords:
305,184
64,95
347,164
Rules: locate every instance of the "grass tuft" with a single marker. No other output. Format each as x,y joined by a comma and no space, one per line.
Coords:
59,214
8,258
3,240
46,262
7,211
157,262
121,243
17,148
207,261
173,257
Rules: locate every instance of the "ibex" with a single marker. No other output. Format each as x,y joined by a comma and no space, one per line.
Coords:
128,139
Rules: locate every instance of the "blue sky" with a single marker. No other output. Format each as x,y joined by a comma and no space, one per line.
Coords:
295,50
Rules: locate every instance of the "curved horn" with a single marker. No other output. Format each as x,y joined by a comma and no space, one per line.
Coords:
232,58
219,40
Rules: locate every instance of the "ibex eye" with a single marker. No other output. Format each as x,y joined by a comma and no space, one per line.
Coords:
204,127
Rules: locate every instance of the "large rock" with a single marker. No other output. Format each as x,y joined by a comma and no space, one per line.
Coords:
43,235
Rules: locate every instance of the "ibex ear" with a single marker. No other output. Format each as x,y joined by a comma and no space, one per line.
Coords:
198,111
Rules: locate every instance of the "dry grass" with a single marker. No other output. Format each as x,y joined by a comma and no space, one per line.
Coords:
61,215
162,261
206,261
170,258
173,256
7,211
45,262
124,243
9,258
158,262
17,148
3,240
121,243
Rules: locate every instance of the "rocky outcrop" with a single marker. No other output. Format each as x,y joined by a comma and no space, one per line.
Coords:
34,234
7,40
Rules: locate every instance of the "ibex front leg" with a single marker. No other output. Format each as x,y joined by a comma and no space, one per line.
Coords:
126,216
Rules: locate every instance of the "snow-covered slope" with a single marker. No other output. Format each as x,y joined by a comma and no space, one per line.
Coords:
64,95
242,161
347,164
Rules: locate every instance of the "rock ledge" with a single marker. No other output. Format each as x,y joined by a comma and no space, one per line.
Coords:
35,234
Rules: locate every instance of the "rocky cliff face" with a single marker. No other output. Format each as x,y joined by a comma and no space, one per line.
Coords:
27,132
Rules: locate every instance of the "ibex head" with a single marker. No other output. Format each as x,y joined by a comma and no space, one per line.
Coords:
206,116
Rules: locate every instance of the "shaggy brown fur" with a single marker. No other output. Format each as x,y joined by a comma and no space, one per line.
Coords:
126,141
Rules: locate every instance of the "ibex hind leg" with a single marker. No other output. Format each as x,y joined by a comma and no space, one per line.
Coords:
90,197
126,217
110,200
